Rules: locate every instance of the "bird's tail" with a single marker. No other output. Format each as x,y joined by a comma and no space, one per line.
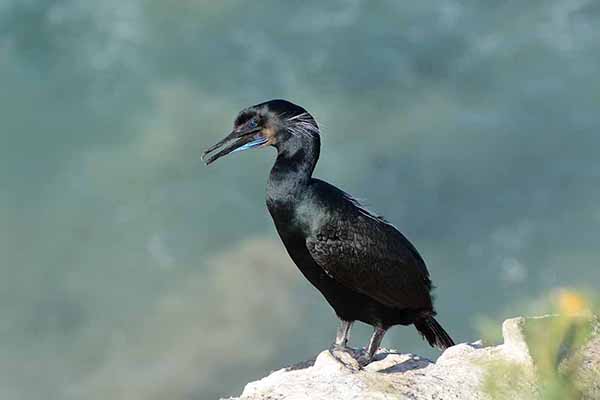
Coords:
433,332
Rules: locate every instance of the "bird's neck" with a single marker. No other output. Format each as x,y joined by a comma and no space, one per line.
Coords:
292,172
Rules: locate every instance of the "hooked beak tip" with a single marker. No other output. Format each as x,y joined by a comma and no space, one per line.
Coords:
205,159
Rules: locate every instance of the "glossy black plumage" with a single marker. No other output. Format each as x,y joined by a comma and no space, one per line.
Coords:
365,268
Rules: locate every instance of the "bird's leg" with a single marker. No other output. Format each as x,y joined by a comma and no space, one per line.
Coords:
339,351
343,333
371,349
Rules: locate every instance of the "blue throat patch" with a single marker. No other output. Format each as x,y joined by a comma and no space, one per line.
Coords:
256,142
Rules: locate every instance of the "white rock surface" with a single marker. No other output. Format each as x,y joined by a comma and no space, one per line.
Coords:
457,374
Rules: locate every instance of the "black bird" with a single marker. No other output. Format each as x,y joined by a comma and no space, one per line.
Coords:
366,269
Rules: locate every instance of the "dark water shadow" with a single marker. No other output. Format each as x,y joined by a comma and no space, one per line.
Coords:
301,365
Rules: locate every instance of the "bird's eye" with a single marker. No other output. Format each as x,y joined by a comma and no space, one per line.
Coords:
252,124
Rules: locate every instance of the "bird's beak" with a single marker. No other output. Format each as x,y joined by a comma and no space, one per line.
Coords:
234,142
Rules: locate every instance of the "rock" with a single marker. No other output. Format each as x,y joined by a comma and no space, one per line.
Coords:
459,373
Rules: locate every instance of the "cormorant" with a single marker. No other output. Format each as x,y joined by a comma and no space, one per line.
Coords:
366,269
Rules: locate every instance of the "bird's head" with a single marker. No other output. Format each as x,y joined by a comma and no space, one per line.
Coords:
277,123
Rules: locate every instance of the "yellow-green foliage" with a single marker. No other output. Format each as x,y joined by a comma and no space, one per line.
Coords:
507,381
553,345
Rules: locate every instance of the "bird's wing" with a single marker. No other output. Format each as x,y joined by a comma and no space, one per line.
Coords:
366,254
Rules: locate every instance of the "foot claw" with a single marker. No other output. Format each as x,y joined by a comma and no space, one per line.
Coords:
345,356
363,360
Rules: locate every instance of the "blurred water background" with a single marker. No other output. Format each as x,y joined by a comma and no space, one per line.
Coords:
131,271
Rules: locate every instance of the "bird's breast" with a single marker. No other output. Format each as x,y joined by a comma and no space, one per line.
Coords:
295,215
284,216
